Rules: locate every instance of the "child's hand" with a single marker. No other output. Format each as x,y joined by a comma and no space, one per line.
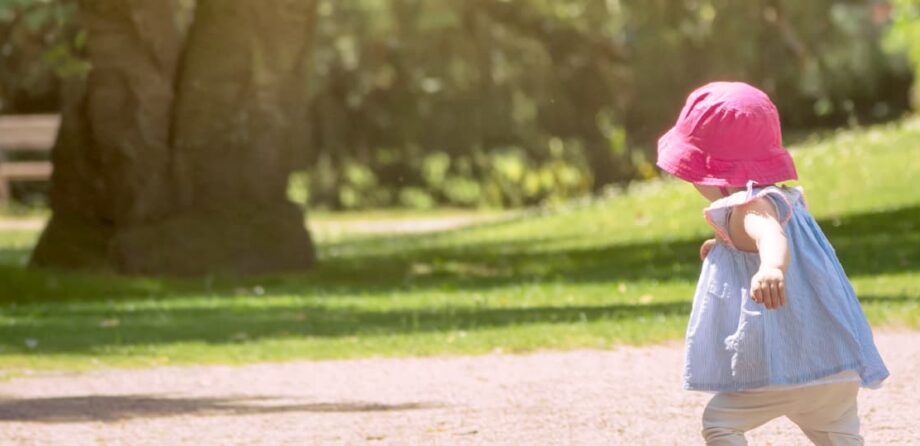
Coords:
707,246
768,288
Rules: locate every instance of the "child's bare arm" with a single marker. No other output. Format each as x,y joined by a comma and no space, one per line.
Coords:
755,227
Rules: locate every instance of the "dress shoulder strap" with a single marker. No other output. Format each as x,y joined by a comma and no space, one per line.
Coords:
782,198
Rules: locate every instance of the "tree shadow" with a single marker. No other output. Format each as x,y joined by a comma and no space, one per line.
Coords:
876,242
98,408
80,332
869,243
14,256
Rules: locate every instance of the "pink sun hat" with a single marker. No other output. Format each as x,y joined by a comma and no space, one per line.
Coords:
727,135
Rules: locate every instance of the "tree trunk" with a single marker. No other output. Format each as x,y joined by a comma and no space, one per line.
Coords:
176,160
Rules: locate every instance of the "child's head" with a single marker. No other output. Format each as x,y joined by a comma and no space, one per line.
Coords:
727,135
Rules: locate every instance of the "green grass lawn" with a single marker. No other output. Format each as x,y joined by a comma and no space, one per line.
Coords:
611,271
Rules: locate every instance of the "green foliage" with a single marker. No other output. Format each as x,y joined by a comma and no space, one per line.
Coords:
491,84
442,101
904,35
611,271
40,44
504,177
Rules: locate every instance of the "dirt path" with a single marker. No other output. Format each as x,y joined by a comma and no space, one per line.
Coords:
402,225
24,224
627,396
341,226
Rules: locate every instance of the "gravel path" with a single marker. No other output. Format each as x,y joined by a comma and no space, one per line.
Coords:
628,396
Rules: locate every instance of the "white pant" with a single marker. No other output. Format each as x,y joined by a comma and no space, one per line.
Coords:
825,412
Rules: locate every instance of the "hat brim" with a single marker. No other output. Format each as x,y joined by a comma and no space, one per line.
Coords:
683,159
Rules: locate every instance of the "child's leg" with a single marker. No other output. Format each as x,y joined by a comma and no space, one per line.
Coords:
729,415
828,415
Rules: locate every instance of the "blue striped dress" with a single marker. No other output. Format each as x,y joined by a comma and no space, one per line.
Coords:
821,334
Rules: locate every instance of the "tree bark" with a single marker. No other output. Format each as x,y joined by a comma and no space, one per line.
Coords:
176,160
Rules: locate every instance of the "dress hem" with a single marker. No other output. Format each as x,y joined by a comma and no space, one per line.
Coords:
871,381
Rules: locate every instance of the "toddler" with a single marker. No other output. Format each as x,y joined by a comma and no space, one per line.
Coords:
776,328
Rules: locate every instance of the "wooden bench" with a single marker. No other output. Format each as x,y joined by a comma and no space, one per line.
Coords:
25,133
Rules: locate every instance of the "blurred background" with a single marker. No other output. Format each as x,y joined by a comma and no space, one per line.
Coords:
511,103
478,175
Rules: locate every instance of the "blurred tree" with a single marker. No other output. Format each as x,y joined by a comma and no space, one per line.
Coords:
39,43
521,102
546,86
175,156
904,35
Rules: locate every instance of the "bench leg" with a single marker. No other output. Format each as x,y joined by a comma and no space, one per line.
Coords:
4,192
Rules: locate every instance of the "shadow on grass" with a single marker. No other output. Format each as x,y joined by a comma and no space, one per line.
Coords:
14,256
92,331
870,243
93,408
85,331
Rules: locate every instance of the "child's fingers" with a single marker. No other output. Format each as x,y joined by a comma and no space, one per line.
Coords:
768,298
770,293
705,248
777,289
756,293
767,295
774,295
